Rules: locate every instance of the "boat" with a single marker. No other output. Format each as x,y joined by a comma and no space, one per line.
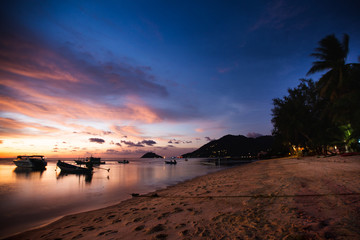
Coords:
91,159
171,162
80,161
32,161
124,161
69,168
95,160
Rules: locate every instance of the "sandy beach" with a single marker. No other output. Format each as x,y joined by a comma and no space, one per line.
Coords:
306,198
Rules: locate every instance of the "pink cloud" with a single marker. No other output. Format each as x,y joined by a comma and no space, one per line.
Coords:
12,127
126,130
47,83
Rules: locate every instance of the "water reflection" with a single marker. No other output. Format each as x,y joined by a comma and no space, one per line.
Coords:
28,172
37,196
80,176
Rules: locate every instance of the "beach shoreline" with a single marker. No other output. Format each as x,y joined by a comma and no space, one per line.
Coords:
306,198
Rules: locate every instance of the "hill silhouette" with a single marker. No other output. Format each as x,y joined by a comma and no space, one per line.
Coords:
151,155
234,147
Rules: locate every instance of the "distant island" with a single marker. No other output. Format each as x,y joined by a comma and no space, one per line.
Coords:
151,155
235,147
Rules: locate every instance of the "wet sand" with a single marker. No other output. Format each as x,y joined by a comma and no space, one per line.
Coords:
307,198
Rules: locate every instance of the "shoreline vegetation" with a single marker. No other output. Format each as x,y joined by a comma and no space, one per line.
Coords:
284,198
321,116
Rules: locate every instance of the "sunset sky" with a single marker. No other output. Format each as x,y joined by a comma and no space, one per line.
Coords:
120,78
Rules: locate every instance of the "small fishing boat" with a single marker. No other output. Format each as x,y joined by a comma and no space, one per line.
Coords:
33,161
124,161
171,162
93,160
69,168
80,161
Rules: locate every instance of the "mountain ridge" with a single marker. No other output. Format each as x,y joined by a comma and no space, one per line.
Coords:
235,146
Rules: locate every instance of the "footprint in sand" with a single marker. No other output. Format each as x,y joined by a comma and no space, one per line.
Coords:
78,236
116,221
161,236
69,226
139,228
181,225
177,210
165,214
157,228
108,232
90,228
99,219
184,232
67,233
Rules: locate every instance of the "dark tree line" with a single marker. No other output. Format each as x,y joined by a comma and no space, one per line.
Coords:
316,115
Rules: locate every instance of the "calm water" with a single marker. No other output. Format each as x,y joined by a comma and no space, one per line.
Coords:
32,198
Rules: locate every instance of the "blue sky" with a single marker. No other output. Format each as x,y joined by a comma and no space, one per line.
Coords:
163,76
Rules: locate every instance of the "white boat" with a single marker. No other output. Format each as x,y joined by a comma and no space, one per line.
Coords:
33,161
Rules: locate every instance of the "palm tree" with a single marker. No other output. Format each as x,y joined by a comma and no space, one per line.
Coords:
340,85
332,56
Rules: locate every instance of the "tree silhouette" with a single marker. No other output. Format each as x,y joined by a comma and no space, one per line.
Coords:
332,56
327,112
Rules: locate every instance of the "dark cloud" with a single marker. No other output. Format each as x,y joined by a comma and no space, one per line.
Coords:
139,144
118,144
132,144
97,140
148,142
107,132
253,135
209,139
174,141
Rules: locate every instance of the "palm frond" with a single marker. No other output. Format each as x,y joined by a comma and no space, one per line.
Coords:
318,67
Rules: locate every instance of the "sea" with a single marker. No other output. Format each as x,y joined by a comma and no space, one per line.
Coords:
29,199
